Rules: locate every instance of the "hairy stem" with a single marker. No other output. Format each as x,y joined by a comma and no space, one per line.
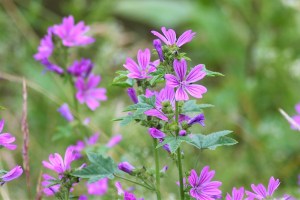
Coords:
179,155
134,182
157,171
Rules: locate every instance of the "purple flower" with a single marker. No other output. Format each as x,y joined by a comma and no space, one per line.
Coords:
237,194
199,119
93,139
182,132
52,67
81,68
64,110
78,147
164,169
127,195
14,173
114,141
6,139
166,146
169,37
72,34
58,164
98,188
155,133
184,83
119,188
126,167
143,68
82,197
260,192
49,191
46,47
164,95
88,93
132,94
158,47
296,118
202,186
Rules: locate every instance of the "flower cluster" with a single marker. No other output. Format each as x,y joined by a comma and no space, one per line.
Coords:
53,53
6,141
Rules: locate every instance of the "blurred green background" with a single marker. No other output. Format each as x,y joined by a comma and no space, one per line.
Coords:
255,43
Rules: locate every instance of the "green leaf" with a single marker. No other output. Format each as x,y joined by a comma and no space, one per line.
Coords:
2,108
212,73
212,141
122,80
192,106
63,132
99,168
174,142
137,110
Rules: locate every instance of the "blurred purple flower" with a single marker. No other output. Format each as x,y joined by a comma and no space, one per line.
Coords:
98,188
237,194
114,141
64,110
169,37
58,164
6,139
51,67
126,167
132,94
198,119
202,186
144,66
158,47
155,133
130,196
88,93
296,118
14,173
166,146
164,169
78,147
72,34
81,68
185,83
182,132
93,139
46,47
82,197
260,192
49,191
164,95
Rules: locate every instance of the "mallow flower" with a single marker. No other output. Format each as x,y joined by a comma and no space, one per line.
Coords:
237,194
296,118
183,83
260,192
58,164
202,187
169,37
98,188
126,167
87,91
72,34
46,47
6,139
47,180
127,195
143,67
14,173
64,110
81,68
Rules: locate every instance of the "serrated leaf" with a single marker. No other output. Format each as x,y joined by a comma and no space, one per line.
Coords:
192,106
212,141
99,168
122,80
174,142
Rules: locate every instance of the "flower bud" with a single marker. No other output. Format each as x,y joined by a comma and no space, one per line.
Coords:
199,119
158,47
132,94
155,133
126,167
182,132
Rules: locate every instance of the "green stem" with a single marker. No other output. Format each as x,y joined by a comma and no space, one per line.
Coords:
179,156
157,171
134,182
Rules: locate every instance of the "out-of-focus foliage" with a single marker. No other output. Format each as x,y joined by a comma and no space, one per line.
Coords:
254,43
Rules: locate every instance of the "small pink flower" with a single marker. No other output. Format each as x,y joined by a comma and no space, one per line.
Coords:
58,164
14,173
169,37
237,194
72,34
87,91
6,139
98,188
114,141
143,68
184,83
